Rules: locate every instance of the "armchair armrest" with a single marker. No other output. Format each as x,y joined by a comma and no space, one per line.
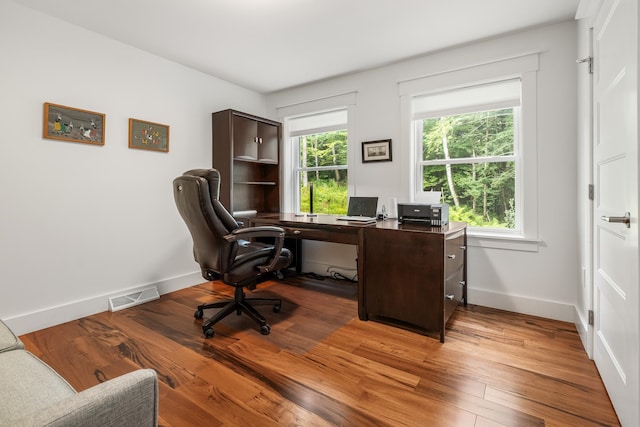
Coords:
261,231
128,400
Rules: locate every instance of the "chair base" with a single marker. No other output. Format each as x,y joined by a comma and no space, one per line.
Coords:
240,305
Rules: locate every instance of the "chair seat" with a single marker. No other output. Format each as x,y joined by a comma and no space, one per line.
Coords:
249,254
250,251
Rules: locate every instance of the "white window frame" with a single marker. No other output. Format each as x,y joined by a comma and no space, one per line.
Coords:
420,194
289,169
523,67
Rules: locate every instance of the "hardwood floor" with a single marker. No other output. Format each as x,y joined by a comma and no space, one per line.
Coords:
321,366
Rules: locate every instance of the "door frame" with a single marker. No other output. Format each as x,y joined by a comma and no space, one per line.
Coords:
586,15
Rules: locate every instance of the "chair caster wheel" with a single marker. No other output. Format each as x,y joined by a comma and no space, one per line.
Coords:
276,308
265,329
208,333
198,314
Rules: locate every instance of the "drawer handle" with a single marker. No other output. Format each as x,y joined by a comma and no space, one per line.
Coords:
452,256
297,232
462,282
450,297
463,247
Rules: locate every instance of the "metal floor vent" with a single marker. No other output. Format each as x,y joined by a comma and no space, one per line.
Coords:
135,298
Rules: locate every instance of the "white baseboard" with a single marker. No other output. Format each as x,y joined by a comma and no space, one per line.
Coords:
582,325
523,305
36,320
52,316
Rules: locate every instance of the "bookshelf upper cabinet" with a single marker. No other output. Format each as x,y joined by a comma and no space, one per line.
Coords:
246,152
255,140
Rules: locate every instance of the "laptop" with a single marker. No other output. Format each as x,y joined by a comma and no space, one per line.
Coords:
361,209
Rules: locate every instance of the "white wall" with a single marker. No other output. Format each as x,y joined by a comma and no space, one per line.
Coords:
78,222
543,282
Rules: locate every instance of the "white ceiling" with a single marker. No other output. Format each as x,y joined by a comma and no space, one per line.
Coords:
268,45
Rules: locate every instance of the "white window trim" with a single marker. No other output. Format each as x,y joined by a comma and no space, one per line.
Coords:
289,194
524,67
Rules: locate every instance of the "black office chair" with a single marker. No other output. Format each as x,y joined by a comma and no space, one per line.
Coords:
224,249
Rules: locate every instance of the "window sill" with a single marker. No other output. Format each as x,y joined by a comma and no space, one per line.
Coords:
500,241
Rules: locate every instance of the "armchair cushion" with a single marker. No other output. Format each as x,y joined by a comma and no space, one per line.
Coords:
128,400
28,386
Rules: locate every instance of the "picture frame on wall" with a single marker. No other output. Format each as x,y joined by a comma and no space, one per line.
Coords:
73,124
148,135
376,151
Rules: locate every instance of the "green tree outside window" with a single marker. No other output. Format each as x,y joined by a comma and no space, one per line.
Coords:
470,158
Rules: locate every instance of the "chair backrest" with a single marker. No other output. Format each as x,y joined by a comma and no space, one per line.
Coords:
196,195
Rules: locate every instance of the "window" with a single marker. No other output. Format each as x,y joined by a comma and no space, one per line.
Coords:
467,141
487,113
319,143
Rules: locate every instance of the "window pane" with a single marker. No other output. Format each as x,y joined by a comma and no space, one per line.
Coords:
327,149
323,149
482,134
480,194
329,191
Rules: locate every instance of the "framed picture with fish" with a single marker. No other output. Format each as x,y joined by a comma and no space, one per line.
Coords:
73,124
148,135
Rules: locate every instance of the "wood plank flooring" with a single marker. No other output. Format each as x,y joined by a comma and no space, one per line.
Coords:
321,366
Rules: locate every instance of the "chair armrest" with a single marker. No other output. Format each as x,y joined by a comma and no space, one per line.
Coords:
128,400
251,232
261,231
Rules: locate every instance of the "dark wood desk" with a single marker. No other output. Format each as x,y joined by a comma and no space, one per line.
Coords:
409,275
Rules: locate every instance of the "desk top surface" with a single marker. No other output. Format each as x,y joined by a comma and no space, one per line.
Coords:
332,221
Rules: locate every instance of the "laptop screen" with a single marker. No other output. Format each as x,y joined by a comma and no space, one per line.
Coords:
362,206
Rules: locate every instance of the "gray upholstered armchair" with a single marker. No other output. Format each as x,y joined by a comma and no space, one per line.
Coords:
226,251
33,394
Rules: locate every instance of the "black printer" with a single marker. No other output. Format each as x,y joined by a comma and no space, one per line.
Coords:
434,215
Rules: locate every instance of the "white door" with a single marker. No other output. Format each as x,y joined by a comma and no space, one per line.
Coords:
616,300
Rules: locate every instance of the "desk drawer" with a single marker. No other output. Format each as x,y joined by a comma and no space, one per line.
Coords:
305,233
453,292
455,252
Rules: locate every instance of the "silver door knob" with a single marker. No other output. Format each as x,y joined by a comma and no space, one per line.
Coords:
626,219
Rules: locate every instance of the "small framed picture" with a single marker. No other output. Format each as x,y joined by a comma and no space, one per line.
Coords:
72,124
376,151
148,135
